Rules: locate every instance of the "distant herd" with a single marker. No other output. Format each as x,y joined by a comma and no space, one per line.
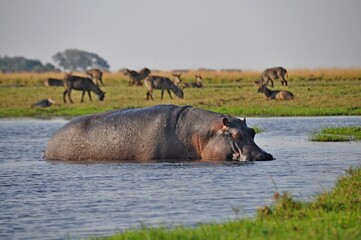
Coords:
94,78
269,75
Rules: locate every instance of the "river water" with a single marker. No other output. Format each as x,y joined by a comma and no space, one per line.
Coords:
57,200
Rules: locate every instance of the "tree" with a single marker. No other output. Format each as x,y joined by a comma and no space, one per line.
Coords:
21,64
77,60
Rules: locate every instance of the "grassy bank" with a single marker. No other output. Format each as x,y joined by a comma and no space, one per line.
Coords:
338,134
331,215
320,92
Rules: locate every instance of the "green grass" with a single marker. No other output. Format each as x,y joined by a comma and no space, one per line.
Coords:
317,93
335,214
339,134
258,129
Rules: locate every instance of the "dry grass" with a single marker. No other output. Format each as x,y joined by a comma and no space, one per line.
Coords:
317,92
210,76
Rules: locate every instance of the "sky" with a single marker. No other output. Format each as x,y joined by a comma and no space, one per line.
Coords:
187,34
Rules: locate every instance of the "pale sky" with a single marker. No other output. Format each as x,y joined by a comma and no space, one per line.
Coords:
183,34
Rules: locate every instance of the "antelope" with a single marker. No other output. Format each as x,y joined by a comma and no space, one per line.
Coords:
178,81
162,83
271,74
95,74
81,84
53,82
276,94
136,77
197,84
43,103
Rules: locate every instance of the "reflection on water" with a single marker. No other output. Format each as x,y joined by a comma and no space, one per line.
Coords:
51,200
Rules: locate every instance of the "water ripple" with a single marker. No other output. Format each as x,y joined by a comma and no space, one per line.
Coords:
47,200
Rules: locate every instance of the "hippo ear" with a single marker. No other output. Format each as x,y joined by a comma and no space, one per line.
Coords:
225,122
244,119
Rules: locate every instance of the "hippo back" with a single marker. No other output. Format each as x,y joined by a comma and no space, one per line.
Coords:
130,134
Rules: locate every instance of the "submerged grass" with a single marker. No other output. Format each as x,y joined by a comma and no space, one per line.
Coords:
320,92
335,214
337,134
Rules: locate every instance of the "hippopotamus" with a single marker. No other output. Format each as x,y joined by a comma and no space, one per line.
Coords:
157,133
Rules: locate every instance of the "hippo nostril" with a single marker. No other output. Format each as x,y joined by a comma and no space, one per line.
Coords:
263,157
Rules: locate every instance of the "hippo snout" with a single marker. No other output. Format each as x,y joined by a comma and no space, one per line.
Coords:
263,157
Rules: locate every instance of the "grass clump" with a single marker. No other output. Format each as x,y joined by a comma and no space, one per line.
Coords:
335,214
258,129
337,134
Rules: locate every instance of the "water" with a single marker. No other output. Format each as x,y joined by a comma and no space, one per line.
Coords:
52,200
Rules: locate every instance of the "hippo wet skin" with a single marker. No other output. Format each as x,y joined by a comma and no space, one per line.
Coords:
162,132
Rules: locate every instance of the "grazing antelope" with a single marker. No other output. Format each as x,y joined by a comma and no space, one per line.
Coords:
135,78
95,74
271,74
162,83
276,94
81,84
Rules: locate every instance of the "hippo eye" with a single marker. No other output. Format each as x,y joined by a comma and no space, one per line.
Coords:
226,133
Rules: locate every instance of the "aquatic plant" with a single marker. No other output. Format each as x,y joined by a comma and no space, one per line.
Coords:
337,134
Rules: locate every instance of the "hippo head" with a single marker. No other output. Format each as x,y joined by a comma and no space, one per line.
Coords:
231,139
